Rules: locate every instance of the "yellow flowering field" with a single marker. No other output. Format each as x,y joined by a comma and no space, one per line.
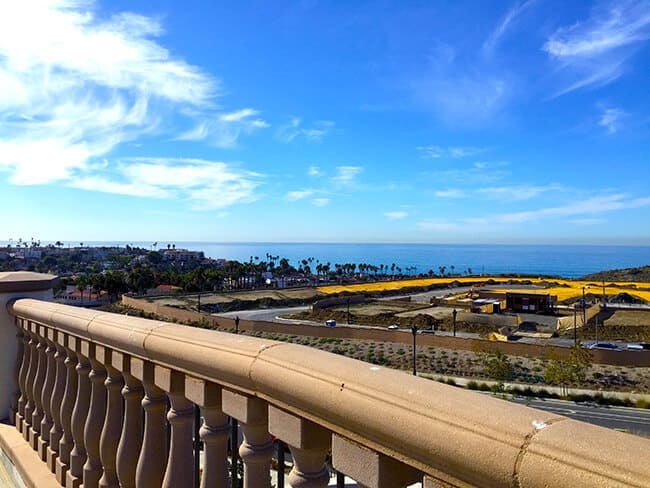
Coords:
567,289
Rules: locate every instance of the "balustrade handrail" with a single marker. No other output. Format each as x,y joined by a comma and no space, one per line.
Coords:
456,436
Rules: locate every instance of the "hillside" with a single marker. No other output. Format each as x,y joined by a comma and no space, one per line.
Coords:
628,274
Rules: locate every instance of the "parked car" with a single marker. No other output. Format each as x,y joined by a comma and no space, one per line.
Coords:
603,345
330,323
427,331
635,347
393,327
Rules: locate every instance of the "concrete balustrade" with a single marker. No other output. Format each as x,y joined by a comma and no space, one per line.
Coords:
62,463
152,461
214,431
74,476
110,432
130,443
80,383
46,394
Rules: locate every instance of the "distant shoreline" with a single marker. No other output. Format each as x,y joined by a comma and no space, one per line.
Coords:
566,261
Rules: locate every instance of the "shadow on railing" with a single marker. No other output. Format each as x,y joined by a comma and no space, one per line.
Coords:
109,400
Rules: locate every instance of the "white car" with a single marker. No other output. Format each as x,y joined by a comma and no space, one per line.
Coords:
393,327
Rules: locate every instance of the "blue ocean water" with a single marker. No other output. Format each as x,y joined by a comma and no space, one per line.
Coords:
560,260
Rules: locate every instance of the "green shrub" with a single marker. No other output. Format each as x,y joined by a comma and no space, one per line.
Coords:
642,403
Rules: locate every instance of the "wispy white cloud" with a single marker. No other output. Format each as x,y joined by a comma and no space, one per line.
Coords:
295,195
320,202
74,86
314,171
506,23
450,193
612,119
593,52
346,175
517,193
461,96
224,130
590,206
397,214
479,173
490,164
587,221
439,225
295,129
204,184
436,152
506,193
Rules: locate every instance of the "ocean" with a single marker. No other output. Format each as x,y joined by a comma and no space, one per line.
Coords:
568,261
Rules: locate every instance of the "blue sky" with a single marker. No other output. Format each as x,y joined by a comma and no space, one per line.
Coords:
435,121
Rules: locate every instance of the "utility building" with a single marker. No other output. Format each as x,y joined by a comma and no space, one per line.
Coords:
530,302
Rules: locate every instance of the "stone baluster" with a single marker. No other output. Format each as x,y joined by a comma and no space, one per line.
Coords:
29,382
22,377
67,406
20,348
309,444
37,390
370,468
214,431
46,395
256,449
153,455
180,463
128,449
56,402
110,437
93,469
74,477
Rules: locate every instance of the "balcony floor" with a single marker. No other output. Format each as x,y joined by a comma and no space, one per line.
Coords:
19,460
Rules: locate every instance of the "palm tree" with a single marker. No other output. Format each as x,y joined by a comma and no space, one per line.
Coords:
81,282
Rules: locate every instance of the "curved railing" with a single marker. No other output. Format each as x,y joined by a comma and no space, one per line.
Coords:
85,377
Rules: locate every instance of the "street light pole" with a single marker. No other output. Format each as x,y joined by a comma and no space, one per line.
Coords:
237,324
453,314
584,307
414,331
575,336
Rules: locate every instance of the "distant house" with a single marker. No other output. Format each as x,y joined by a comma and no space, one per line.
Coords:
182,255
168,288
530,302
87,298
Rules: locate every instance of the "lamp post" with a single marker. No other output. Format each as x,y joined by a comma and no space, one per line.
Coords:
237,324
453,314
584,307
575,336
414,331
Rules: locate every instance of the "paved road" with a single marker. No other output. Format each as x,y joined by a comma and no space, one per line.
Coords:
633,420
267,314
273,315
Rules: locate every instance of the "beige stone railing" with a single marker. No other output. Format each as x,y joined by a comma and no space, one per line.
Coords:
95,394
